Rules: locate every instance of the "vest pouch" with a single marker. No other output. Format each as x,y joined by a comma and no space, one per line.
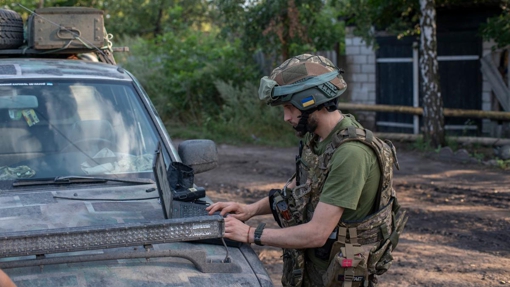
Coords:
379,260
274,198
298,201
293,267
346,272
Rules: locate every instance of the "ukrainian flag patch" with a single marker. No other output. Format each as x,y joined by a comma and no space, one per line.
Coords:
308,101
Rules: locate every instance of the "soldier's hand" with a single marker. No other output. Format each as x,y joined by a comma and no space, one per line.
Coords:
234,209
236,230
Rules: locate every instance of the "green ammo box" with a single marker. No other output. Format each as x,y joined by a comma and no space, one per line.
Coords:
66,27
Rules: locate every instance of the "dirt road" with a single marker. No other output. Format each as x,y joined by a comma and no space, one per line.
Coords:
458,233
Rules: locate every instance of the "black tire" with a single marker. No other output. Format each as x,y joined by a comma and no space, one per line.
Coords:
11,29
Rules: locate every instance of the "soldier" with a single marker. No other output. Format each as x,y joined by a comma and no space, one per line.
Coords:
337,212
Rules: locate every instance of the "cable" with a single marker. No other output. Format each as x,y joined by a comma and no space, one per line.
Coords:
227,257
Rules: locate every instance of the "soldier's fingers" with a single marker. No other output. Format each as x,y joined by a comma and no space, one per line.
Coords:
220,206
229,209
229,226
214,207
239,216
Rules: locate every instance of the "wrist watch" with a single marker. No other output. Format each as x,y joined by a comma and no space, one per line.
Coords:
258,234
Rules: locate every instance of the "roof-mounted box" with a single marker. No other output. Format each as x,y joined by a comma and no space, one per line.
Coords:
66,28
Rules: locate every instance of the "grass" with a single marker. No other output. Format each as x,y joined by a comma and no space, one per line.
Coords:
235,134
283,136
244,119
503,164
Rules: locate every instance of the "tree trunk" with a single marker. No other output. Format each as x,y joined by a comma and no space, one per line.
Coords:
157,29
433,119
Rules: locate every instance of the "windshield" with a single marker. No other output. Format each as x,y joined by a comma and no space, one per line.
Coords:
62,128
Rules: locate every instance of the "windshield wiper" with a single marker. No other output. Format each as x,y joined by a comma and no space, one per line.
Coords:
77,179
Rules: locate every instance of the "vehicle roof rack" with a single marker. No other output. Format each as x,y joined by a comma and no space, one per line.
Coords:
60,31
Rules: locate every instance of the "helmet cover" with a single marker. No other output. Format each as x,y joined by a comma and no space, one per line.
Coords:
302,68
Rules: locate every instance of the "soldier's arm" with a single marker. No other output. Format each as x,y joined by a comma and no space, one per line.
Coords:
262,206
240,211
309,235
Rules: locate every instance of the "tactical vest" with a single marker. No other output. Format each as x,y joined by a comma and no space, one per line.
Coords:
361,249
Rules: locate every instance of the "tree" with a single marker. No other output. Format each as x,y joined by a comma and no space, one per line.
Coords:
135,17
432,101
281,27
498,27
404,18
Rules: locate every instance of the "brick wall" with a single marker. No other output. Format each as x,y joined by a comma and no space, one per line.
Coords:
359,74
486,92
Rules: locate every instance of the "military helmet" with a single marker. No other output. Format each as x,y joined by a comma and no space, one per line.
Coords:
306,81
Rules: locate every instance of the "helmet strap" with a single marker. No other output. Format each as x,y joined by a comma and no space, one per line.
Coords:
302,126
332,105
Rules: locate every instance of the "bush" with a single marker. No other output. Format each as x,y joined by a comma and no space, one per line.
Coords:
179,72
205,88
251,119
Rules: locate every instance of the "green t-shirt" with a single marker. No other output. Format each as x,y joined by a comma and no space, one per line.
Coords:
353,178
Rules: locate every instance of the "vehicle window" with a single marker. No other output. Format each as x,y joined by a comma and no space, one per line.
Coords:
60,128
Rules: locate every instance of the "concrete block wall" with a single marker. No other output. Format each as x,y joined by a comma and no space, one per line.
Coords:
359,66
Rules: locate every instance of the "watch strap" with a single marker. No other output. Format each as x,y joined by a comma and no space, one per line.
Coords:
258,234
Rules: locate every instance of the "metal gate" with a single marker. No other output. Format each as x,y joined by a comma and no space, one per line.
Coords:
460,79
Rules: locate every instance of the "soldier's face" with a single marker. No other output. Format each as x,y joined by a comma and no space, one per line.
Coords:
291,114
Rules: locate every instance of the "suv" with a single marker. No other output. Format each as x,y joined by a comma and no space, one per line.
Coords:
89,177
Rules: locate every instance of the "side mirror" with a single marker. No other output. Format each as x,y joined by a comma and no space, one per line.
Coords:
201,155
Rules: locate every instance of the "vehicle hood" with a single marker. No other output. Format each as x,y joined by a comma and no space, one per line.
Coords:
177,263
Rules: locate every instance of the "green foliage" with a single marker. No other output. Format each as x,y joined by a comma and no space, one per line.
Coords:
503,164
478,156
421,145
182,62
153,18
244,119
327,30
248,117
498,27
281,27
401,17
452,143
179,71
136,17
